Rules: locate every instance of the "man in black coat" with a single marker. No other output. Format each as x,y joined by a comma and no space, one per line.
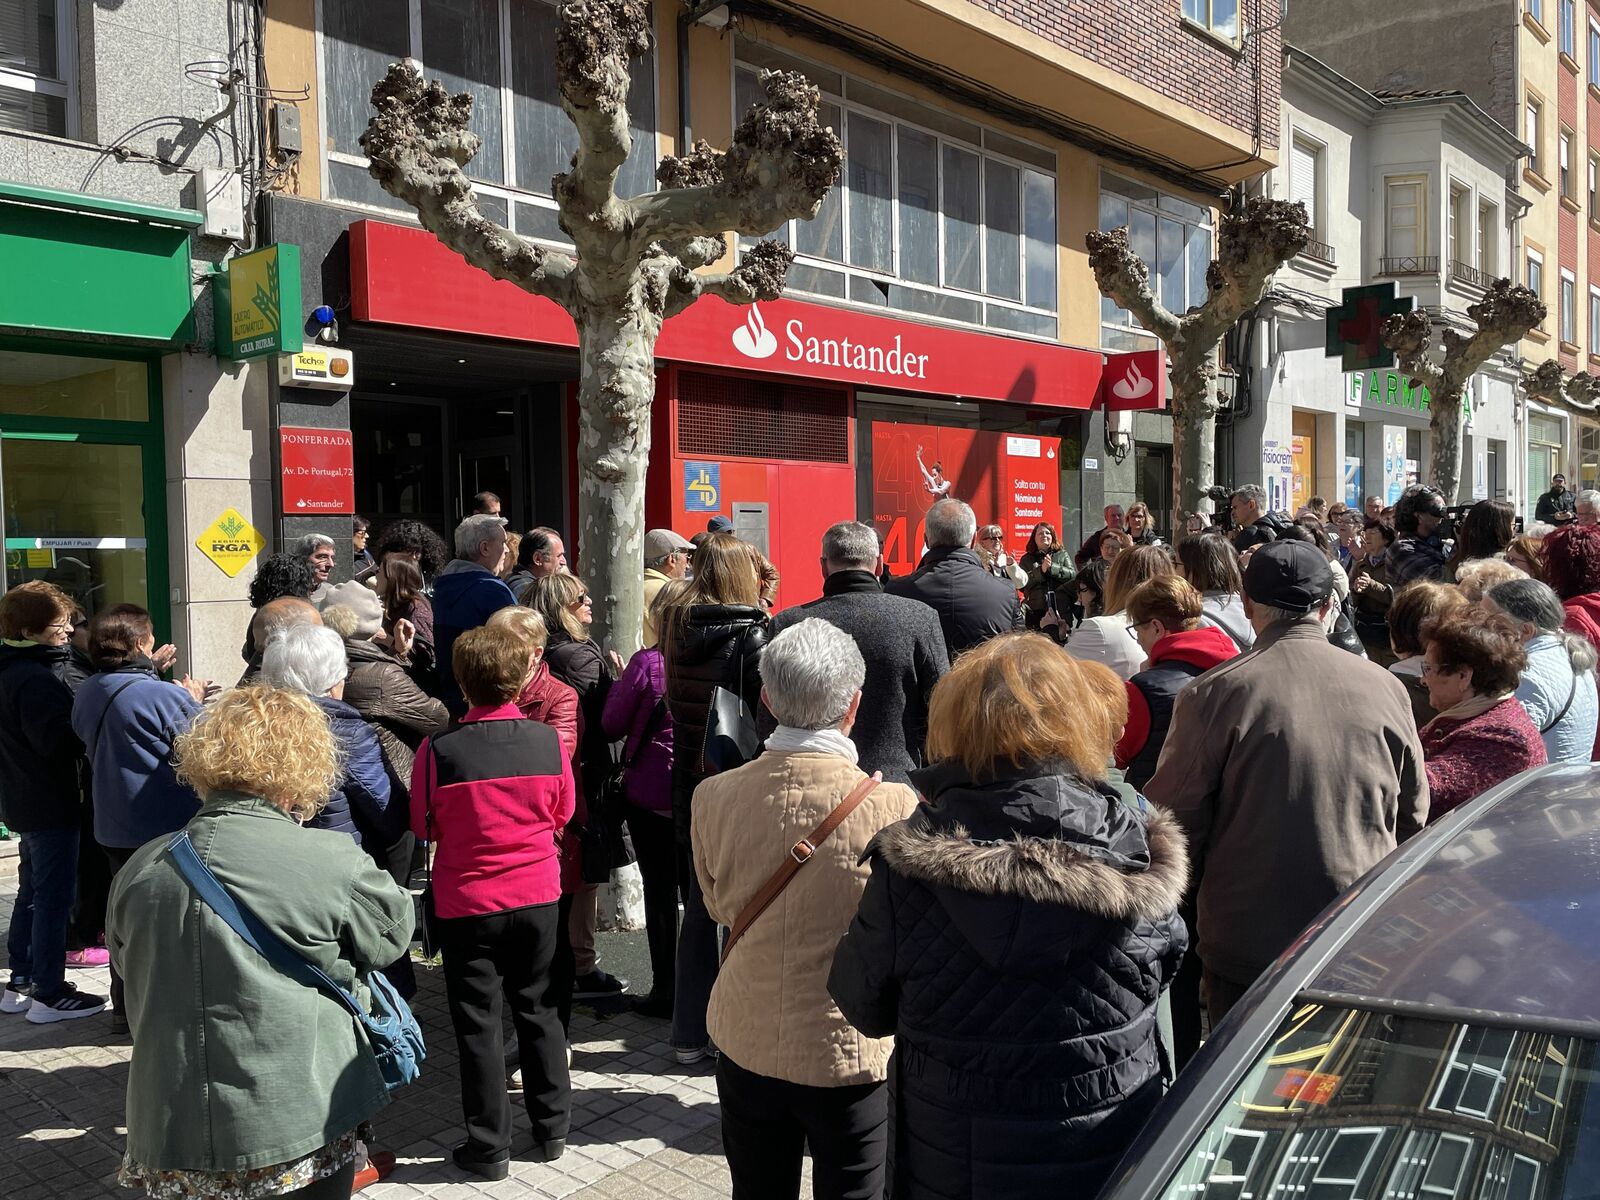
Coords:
1557,506
1253,525
899,638
973,606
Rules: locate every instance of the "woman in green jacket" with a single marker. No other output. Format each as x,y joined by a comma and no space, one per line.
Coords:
1050,570
244,1083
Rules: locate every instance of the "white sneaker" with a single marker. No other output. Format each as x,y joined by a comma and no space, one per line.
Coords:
689,1055
68,1006
16,997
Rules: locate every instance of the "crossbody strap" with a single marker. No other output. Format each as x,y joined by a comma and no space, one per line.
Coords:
1571,696
250,927
799,855
657,715
104,712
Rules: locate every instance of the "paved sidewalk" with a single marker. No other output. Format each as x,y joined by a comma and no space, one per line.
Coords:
643,1127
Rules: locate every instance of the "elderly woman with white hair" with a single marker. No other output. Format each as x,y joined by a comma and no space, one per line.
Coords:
778,845
1557,689
311,659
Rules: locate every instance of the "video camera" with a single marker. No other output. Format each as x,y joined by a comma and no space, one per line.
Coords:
1453,513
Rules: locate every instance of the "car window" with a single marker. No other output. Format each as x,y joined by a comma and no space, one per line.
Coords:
1344,1104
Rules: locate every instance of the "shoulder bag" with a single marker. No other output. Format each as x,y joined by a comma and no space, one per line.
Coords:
393,1036
1572,695
606,844
731,735
798,856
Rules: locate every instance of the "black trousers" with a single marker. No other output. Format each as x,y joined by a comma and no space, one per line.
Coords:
396,860
118,857
563,969
768,1123
655,844
94,889
487,959
1221,995
1187,1025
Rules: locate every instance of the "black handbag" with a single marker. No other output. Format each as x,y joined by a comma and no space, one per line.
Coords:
606,844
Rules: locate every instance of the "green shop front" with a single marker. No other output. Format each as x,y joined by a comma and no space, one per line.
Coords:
95,293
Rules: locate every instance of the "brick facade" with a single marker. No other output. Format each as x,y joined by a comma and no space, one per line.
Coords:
1150,42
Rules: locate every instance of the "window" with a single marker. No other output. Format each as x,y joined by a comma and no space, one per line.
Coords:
1535,275
1536,10
935,215
1488,239
1594,321
1172,236
1533,134
1219,16
501,53
1564,164
1566,28
1460,238
1594,55
1305,180
36,66
1594,188
1569,308
1406,230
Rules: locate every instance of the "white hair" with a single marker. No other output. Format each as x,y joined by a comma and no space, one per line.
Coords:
851,544
810,673
305,658
950,524
1538,529
1589,497
305,547
476,530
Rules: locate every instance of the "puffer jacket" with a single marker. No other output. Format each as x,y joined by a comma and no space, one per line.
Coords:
583,668
361,804
1015,938
399,712
40,756
713,645
973,605
770,1009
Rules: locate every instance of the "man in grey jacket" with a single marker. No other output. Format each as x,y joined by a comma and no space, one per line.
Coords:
1282,816
899,638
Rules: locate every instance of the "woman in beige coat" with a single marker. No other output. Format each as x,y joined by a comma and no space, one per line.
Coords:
793,1071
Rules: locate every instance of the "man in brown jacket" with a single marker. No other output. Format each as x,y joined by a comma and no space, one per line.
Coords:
1281,815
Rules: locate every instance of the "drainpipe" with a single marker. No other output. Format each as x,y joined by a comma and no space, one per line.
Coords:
691,16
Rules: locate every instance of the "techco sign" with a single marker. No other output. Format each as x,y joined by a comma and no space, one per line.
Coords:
754,340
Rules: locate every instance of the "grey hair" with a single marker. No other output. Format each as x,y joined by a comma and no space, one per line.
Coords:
951,524
305,547
1273,614
305,658
851,544
1588,496
474,531
810,673
1254,493
1529,602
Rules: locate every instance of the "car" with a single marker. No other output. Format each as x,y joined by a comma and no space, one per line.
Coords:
1432,1035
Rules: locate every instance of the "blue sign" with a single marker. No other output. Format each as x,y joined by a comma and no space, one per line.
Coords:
702,486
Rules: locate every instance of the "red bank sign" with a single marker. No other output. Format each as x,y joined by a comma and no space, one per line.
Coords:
318,470
1135,381
402,275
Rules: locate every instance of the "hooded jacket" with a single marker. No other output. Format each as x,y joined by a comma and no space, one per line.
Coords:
465,596
399,712
972,605
1225,611
1583,616
361,804
1014,937
40,756
1175,660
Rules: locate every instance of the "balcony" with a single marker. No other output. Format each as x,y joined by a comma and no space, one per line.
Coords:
1427,264
1471,276
1319,251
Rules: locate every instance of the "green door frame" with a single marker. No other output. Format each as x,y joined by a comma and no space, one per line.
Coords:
148,435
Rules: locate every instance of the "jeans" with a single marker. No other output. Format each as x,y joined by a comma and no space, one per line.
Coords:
1221,995
655,843
698,949
47,876
488,959
768,1123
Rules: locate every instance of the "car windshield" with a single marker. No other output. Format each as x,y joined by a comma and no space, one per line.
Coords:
1344,1104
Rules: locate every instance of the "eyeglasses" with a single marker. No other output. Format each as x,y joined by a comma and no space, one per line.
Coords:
1133,630
585,599
992,537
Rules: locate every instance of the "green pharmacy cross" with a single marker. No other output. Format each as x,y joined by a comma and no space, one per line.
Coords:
1355,328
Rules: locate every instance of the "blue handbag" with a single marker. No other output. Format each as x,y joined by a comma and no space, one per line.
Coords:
392,1033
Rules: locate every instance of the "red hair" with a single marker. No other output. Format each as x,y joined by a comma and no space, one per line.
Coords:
1572,560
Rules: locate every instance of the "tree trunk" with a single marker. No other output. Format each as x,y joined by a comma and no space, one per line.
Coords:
616,348
1444,421
1194,434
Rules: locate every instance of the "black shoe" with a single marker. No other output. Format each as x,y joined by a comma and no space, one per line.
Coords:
597,985
658,1007
547,1152
491,1169
119,1026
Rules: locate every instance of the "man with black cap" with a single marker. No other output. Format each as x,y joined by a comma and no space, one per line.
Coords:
1282,816
1557,506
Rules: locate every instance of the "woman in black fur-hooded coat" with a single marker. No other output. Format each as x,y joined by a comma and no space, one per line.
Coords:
1015,937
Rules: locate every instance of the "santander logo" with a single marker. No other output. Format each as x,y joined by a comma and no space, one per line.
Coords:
1134,385
753,339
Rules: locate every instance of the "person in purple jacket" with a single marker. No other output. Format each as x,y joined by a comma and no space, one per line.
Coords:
636,709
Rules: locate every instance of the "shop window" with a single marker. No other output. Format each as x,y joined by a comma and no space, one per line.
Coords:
930,205
86,389
739,417
1219,16
1171,235
500,52
37,66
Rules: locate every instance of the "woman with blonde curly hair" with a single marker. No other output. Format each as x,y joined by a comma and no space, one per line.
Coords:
273,1105
1025,869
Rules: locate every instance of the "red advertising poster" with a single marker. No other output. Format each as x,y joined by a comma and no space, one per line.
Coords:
1013,480
319,473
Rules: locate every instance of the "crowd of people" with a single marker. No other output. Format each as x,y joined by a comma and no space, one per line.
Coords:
915,853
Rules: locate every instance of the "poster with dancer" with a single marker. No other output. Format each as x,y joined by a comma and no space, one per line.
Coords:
1013,480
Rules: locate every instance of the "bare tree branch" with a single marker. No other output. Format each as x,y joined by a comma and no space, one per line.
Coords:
593,65
418,144
759,276
1548,382
1122,275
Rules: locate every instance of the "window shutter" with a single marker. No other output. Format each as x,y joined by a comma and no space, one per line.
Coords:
1303,177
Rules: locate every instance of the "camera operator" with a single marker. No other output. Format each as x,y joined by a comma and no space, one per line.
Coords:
1419,550
1253,524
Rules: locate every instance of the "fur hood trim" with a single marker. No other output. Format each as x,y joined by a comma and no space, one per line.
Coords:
1046,872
